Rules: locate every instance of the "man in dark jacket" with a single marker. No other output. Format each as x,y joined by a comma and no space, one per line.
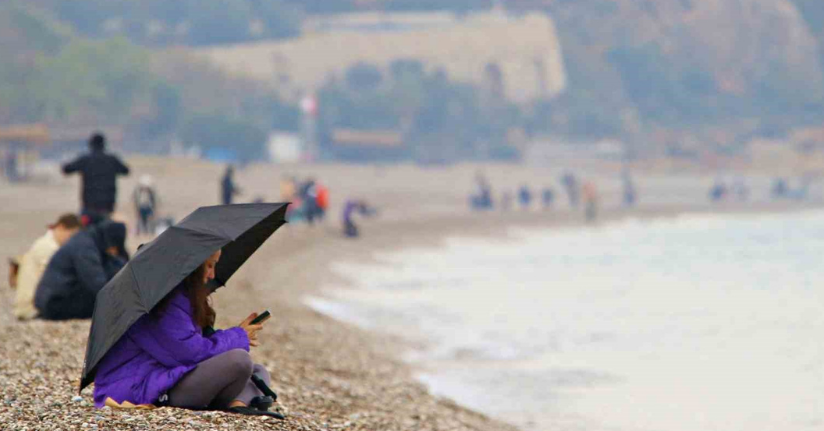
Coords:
79,270
99,171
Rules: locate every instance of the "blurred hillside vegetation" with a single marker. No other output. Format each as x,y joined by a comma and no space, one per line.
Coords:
656,71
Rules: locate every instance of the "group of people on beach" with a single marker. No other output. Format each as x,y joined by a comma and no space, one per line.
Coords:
172,356
737,189
578,194
60,274
309,199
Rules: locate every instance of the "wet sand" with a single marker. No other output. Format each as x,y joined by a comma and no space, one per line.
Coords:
329,375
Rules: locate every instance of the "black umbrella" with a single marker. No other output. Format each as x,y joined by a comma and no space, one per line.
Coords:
158,267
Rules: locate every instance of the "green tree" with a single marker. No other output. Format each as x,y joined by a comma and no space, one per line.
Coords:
103,77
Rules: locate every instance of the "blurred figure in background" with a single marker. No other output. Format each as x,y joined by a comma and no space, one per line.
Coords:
288,188
718,191
99,171
10,167
570,184
145,202
352,207
630,194
547,196
309,197
33,263
525,197
780,189
590,195
322,201
482,199
79,269
228,189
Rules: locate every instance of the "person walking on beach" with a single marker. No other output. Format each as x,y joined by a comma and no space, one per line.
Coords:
145,202
482,199
78,270
630,194
33,263
228,189
99,171
309,197
590,195
166,359
525,197
570,184
547,196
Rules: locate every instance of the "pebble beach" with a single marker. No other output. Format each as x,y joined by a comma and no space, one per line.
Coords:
328,375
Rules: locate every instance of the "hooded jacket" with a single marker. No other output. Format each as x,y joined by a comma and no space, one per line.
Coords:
157,351
77,271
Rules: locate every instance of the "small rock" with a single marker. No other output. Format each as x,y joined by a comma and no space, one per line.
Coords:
77,398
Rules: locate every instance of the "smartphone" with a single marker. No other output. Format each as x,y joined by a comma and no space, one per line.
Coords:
262,317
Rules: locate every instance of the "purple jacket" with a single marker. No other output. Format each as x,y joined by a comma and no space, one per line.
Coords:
157,351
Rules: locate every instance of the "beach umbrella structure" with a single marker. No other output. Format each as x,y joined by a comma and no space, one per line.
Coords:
159,266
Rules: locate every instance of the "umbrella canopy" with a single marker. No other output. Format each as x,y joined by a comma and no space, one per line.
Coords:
158,267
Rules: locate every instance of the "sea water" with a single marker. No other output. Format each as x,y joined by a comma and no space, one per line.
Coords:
700,322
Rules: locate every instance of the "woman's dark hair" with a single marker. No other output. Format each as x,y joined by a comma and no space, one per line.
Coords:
204,314
198,294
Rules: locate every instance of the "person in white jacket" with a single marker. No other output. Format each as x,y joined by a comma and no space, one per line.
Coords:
33,263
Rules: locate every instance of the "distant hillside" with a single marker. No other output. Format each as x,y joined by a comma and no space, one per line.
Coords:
752,65
526,50
720,71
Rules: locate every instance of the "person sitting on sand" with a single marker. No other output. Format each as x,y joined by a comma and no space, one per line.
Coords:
33,263
79,270
166,358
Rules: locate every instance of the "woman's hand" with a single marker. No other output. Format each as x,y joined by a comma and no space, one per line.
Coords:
251,330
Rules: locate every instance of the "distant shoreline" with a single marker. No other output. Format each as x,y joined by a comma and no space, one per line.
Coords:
393,236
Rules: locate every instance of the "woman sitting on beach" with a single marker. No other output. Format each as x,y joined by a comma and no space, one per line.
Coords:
165,359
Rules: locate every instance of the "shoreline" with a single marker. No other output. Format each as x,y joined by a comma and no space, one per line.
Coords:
329,375
485,225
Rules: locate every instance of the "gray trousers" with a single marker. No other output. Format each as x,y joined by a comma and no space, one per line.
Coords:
218,381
